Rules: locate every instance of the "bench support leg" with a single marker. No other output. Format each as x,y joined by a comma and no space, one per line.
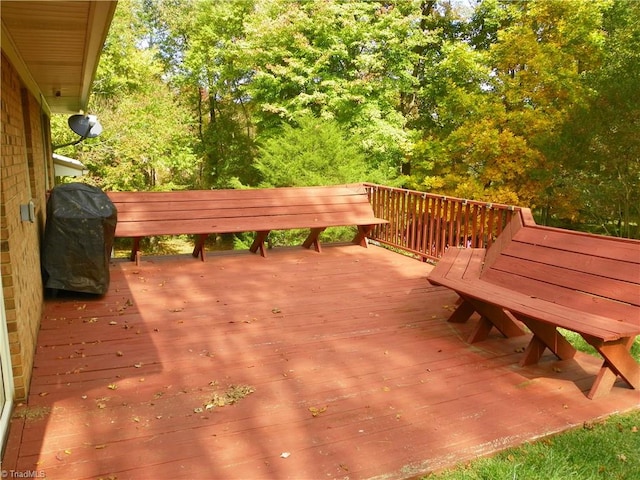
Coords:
361,236
493,316
258,242
135,251
312,239
545,335
198,249
534,351
617,361
462,313
481,331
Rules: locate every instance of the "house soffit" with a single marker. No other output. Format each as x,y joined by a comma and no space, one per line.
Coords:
55,46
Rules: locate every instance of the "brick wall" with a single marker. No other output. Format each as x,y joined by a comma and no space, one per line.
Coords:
23,176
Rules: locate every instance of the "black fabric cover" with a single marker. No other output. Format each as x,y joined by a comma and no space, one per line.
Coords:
78,238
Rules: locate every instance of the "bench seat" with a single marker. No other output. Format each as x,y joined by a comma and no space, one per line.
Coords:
204,212
547,279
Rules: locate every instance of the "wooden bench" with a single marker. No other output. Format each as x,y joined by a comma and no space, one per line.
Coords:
203,212
548,278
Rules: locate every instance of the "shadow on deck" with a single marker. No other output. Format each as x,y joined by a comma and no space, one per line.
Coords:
354,369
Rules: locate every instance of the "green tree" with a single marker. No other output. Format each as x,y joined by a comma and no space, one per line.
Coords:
147,141
347,61
214,70
600,145
520,82
312,152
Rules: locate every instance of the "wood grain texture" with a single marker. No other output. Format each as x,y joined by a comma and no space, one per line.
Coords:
355,333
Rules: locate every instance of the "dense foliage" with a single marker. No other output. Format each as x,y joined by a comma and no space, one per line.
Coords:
532,103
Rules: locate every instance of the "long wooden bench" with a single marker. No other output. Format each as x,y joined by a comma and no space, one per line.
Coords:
204,212
546,279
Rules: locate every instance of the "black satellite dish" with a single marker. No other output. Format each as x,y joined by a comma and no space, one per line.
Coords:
87,126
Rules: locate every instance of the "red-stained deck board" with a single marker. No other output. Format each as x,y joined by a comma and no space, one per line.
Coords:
357,333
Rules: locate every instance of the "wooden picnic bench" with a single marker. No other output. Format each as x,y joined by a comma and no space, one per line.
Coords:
204,212
549,278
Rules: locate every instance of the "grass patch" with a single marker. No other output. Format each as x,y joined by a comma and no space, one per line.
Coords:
183,244
609,450
579,343
171,245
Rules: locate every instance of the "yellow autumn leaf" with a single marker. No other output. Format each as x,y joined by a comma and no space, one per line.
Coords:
315,411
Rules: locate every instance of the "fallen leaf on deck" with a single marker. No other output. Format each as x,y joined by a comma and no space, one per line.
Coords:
112,386
275,310
231,395
285,455
315,411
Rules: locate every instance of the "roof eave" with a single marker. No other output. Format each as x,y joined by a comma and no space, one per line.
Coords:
101,14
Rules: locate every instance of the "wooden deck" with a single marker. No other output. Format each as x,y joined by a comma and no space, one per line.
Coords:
354,370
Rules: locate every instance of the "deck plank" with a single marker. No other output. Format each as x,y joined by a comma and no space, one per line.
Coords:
359,332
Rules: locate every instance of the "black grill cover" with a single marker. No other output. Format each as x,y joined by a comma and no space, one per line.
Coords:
78,238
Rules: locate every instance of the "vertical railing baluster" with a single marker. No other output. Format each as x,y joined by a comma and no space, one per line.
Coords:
426,225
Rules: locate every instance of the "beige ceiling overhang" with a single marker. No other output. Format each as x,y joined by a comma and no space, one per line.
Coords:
55,46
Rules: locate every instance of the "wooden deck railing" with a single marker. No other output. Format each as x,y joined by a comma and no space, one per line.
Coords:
426,225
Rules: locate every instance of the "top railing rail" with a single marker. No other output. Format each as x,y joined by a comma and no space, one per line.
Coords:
426,225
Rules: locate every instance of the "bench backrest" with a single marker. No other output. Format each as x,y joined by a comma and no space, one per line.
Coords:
590,273
215,211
